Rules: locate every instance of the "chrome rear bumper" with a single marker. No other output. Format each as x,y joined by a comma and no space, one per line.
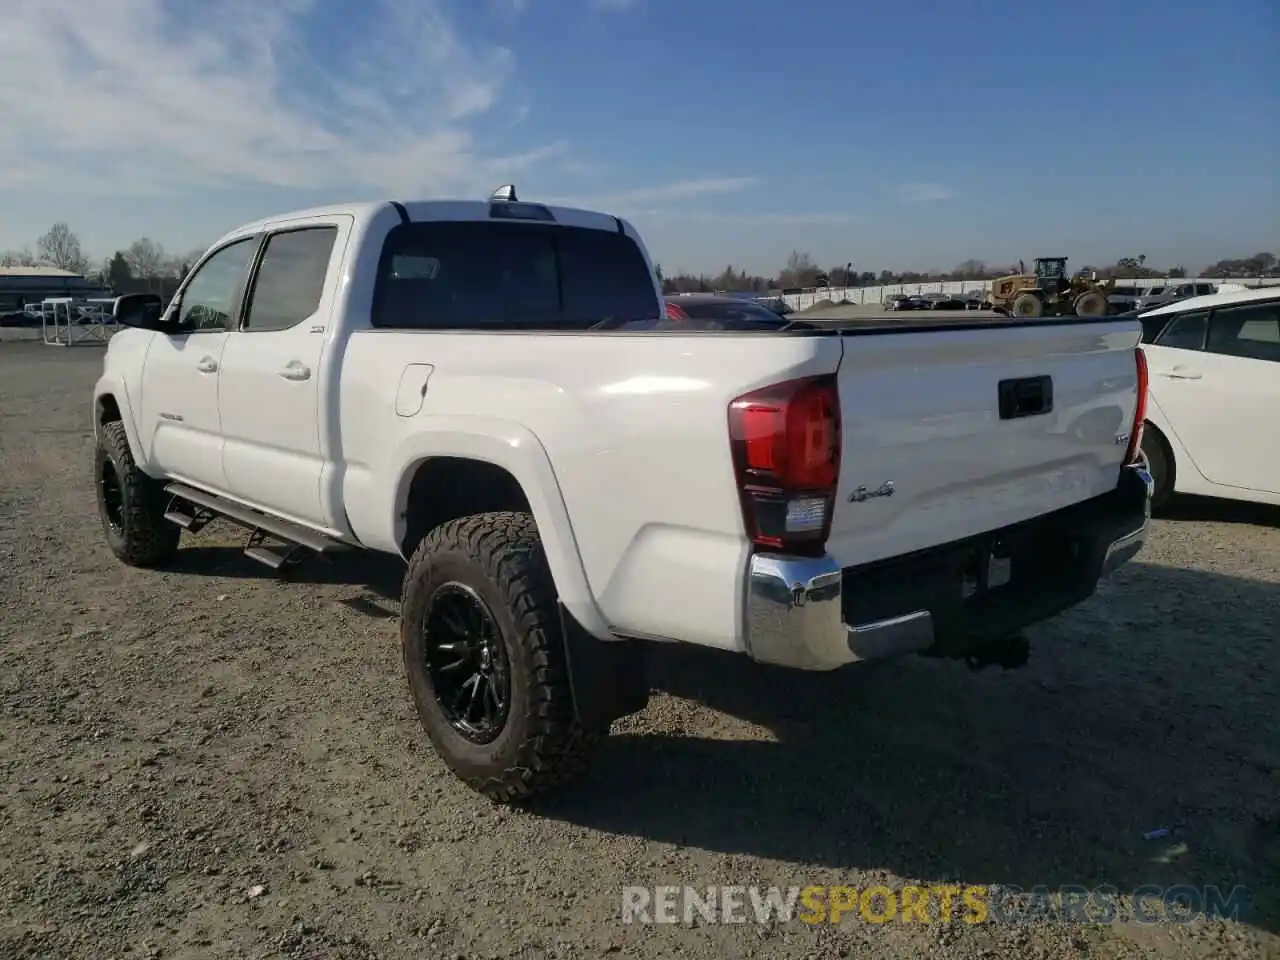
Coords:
795,618
795,606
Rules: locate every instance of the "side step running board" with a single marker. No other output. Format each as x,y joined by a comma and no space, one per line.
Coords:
191,509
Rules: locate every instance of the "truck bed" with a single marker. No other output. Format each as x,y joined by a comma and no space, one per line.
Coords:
875,319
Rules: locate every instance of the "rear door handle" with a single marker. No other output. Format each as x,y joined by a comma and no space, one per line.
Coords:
295,370
207,365
1182,373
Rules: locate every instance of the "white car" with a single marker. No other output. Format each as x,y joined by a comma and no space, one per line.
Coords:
1214,389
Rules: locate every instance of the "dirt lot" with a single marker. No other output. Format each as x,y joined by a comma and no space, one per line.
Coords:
209,763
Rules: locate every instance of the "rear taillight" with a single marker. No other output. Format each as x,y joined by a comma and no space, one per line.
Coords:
1139,411
675,312
785,440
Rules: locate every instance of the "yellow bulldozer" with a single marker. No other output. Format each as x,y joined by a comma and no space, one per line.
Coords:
1049,291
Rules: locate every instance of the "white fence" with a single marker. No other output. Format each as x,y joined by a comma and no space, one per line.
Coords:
877,295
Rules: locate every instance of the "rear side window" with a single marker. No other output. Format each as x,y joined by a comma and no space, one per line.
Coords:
502,275
1186,332
1151,327
290,279
1251,331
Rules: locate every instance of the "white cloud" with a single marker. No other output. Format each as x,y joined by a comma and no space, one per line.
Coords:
775,219
644,197
666,203
146,96
924,192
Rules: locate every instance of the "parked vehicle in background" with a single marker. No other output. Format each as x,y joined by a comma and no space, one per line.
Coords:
1123,299
1156,291
1159,296
946,301
493,391
722,313
776,304
1214,367
900,302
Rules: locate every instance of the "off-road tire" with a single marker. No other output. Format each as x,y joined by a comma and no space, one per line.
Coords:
1026,306
144,537
1159,465
541,745
1090,304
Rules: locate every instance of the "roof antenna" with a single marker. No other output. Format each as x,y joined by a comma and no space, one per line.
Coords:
504,194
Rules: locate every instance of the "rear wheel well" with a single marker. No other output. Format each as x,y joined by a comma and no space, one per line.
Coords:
1164,484
447,488
108,409
1150,429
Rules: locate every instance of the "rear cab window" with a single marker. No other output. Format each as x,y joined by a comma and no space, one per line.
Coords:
477,275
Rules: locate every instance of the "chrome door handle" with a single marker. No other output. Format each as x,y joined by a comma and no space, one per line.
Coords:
207,365
295,370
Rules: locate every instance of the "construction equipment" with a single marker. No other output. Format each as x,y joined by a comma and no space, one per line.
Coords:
1049,291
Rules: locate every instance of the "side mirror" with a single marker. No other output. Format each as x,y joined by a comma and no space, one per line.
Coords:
141,310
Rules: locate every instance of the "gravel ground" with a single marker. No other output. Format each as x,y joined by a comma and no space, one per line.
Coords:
212,763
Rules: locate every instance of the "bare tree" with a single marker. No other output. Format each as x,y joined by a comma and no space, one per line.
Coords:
970,270
61,248
18,258
800,271
146,259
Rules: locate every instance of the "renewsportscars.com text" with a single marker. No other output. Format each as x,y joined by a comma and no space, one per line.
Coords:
933,904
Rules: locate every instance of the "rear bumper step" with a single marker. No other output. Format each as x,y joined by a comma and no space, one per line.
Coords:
810,614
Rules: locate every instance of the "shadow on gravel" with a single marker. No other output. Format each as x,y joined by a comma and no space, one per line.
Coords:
379,573
1151,706
1048,775
1221,511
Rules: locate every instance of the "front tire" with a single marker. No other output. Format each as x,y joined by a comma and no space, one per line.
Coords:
485,658
1027,306
131,504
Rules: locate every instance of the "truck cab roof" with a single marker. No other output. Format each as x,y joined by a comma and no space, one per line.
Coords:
440,210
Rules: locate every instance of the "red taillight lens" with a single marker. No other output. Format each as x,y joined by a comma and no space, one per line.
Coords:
676,312
1139,411
786,452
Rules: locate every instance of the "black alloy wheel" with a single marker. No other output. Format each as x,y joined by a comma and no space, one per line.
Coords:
467,663
111,495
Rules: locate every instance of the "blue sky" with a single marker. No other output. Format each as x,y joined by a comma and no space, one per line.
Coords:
911,135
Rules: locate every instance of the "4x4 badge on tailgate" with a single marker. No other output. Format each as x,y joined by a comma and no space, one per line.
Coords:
862,493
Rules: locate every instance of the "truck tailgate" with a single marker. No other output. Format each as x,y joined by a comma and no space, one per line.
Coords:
927,456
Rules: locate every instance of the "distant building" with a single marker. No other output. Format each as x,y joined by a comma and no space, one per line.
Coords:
21,287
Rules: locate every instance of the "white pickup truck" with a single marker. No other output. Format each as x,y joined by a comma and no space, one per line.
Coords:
492,390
